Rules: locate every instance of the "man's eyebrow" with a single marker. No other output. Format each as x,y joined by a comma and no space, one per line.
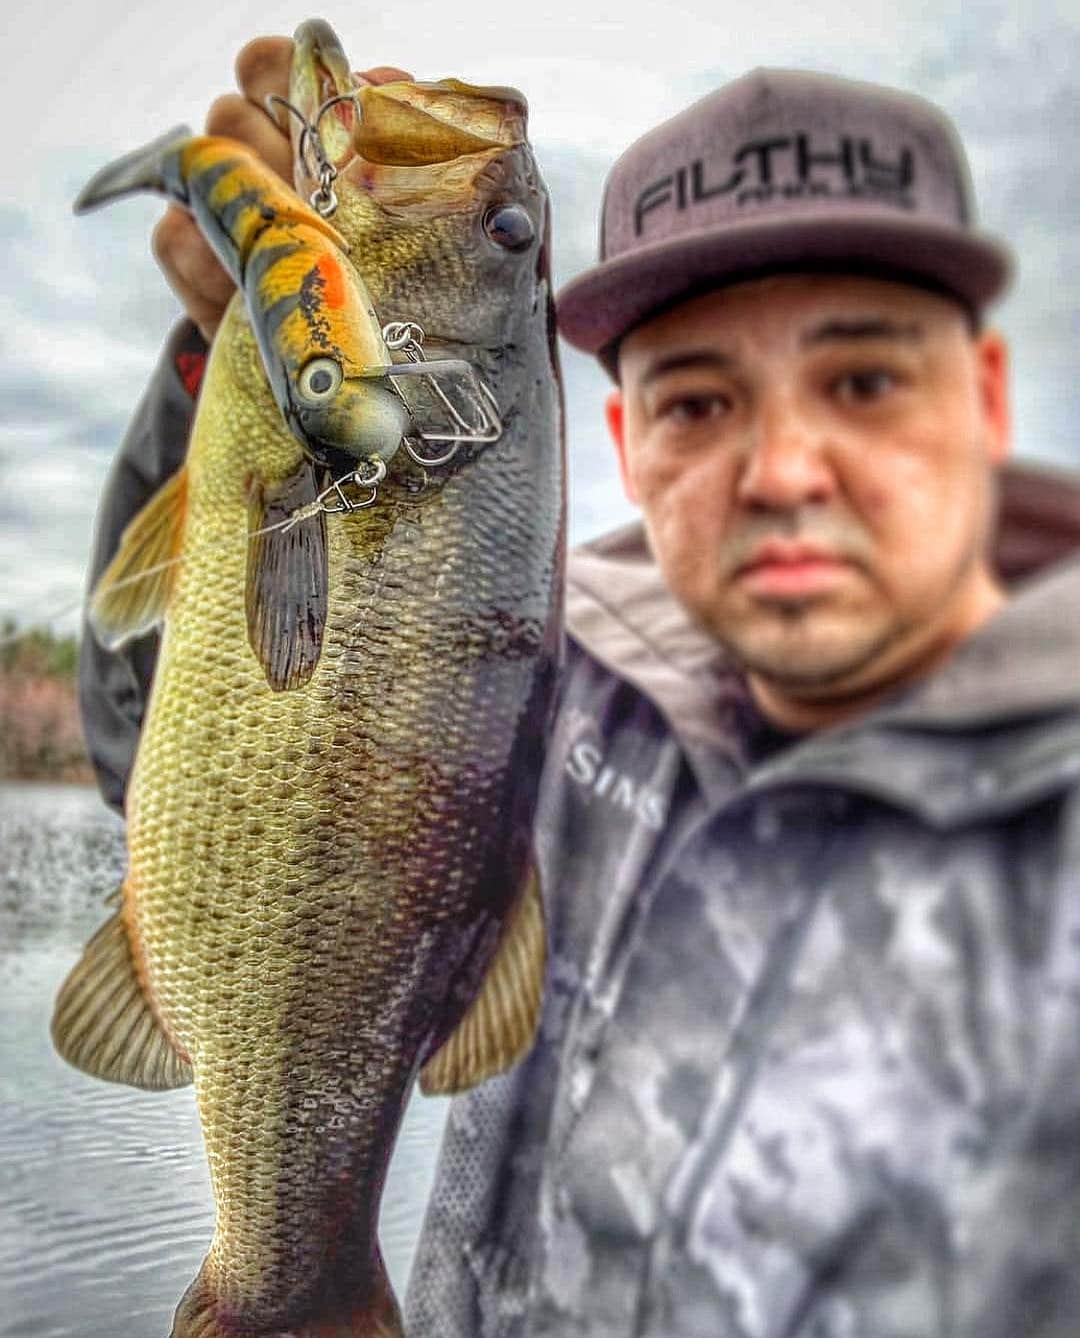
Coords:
873,327
677,362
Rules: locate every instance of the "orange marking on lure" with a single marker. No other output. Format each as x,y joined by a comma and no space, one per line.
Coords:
333,281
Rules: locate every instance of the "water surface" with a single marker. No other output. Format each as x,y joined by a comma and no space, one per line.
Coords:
105,1204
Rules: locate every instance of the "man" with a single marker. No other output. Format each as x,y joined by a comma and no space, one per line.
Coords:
811,824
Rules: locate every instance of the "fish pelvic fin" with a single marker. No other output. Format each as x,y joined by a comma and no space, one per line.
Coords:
133,592
500,1024
103,1022
141,170
287,575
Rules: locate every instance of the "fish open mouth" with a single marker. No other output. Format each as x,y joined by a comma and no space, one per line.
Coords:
408,124
404,123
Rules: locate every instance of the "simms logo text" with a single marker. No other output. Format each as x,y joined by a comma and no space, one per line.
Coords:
786,167
585,765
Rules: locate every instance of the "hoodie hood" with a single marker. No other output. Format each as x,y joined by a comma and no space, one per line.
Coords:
1022,665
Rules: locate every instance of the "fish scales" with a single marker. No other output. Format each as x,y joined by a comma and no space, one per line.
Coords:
412,826
321,874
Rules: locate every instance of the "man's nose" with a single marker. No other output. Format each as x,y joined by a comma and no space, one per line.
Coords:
787,463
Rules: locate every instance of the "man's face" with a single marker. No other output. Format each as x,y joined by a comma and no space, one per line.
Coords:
814,458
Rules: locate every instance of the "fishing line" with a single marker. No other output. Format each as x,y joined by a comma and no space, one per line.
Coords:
408,338
305,512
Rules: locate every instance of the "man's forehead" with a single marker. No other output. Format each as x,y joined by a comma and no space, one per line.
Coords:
804,309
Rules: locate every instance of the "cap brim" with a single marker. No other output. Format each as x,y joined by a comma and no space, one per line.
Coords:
604,303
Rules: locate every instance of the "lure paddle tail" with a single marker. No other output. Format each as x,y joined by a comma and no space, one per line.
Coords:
316,328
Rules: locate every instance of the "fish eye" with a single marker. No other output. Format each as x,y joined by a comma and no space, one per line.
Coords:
509,226
319,379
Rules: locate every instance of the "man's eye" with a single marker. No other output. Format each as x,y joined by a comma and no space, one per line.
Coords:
688,409
864,387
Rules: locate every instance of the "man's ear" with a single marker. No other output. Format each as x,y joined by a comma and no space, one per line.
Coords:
614,412
993,370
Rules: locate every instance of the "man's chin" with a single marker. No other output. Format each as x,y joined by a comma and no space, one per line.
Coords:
809,666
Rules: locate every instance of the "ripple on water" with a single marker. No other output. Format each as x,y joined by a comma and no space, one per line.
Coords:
105,1204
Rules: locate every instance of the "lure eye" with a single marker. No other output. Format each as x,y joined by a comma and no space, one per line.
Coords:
509,226
319,380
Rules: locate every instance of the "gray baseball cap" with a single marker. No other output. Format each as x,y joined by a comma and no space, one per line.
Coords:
783,170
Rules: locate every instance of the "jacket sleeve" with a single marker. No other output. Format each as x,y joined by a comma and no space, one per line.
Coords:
114,685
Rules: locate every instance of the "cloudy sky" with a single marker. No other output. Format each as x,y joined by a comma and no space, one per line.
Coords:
84,310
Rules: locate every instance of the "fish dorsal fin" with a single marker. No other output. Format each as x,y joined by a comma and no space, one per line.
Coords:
500,1024
286,581
103,1023
133,591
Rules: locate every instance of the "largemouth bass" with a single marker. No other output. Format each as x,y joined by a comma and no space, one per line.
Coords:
330,885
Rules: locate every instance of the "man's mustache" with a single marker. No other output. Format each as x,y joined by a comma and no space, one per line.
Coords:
837,536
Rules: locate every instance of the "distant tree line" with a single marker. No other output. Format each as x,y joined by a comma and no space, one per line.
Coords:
40,736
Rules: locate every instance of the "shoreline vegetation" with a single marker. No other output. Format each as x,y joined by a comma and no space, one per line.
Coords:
40,735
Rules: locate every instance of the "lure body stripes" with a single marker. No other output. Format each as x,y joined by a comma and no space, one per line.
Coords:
310,311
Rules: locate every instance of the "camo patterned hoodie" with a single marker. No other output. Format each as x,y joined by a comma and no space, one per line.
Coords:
810,1055
809,1064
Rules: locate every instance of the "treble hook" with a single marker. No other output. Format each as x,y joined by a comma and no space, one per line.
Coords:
323,200
408,337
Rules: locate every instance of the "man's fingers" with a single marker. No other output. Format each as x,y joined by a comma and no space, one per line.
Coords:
262,67
234,116
191,269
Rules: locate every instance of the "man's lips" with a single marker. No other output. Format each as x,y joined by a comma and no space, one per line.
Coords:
786,568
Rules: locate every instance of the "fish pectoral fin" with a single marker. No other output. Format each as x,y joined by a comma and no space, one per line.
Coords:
500,1025
103,1022
133,591
286,581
